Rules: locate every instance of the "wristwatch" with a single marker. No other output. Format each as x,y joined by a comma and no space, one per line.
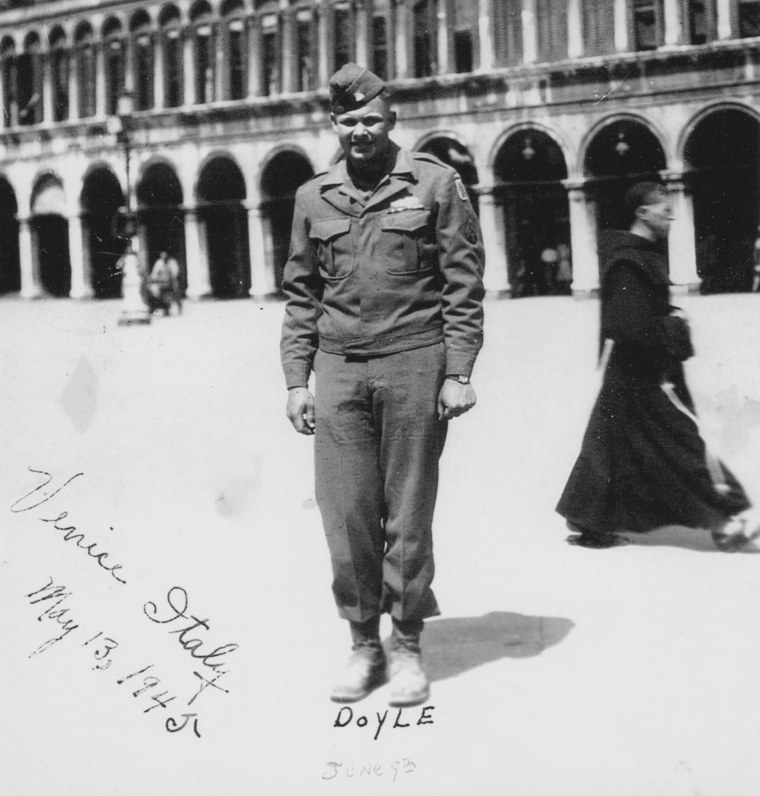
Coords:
459,377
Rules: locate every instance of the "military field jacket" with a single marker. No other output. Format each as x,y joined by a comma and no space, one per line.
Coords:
401,270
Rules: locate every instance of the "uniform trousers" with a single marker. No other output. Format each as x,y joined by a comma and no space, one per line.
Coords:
377,445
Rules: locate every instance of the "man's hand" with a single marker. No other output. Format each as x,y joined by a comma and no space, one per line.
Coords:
300,410
455,399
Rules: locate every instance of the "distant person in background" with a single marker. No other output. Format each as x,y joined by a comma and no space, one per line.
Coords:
564,278
643,464
163,284
549,267
756,263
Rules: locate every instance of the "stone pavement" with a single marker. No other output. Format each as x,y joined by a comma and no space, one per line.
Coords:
557,671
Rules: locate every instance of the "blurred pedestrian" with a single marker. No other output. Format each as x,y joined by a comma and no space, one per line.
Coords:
564,279
756,263
163,284
643,463
549,270
384,289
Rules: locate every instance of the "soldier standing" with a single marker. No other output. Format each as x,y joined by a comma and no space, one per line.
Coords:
384,288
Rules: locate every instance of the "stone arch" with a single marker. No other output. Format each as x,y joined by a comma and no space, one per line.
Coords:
529,169
283,173
10,268
721,154
101,199
220,198
50,235
160,214
618,152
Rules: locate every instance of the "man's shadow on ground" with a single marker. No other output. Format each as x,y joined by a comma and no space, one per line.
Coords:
454,646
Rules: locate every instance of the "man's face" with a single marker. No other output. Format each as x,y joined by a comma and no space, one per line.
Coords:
657,215
363,133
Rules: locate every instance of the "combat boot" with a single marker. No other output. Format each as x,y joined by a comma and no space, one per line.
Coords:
408,682
365,668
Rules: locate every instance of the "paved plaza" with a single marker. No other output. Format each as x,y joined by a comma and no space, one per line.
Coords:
197,656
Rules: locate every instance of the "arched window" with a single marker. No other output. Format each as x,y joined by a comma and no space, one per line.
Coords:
343,35
465,29
85,65
306,46
507,27
59,74
382,27
113,43
236,48
171,52
552,30
204,51
8,67
700,24
269,50
425,28
143,61
648,24
598,27
748,18
29,82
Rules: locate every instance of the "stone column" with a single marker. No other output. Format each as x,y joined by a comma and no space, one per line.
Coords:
574,29
324,41
100,78
404,36
620,25
159,93
496,276
47,86
188,68
682,252
672,19
723,13
196,257
81,280
254,66
261,254
529,31
30,270
289,61
444,43
582,240
485,34
363,16
74,84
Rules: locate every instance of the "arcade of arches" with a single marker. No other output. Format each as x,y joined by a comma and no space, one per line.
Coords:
230,246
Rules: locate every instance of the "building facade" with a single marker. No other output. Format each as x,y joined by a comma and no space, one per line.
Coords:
549,109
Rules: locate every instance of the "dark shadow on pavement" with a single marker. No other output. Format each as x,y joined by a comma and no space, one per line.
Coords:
454,646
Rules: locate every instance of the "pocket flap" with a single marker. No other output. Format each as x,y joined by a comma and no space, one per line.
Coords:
329,228
405,221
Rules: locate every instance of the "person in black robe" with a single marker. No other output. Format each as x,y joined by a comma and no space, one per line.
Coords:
643,464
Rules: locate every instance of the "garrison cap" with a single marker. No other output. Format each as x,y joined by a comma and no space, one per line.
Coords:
353,86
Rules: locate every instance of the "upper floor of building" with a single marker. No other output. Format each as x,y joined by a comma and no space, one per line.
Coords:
70,60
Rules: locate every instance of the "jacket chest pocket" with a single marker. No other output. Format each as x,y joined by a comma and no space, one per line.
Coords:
405,248
333,243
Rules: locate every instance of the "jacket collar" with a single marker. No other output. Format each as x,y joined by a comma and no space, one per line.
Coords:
337,189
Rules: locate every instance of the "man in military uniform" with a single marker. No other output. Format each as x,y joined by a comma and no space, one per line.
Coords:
384,288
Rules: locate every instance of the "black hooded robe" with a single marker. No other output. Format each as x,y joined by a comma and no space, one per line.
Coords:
642,463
